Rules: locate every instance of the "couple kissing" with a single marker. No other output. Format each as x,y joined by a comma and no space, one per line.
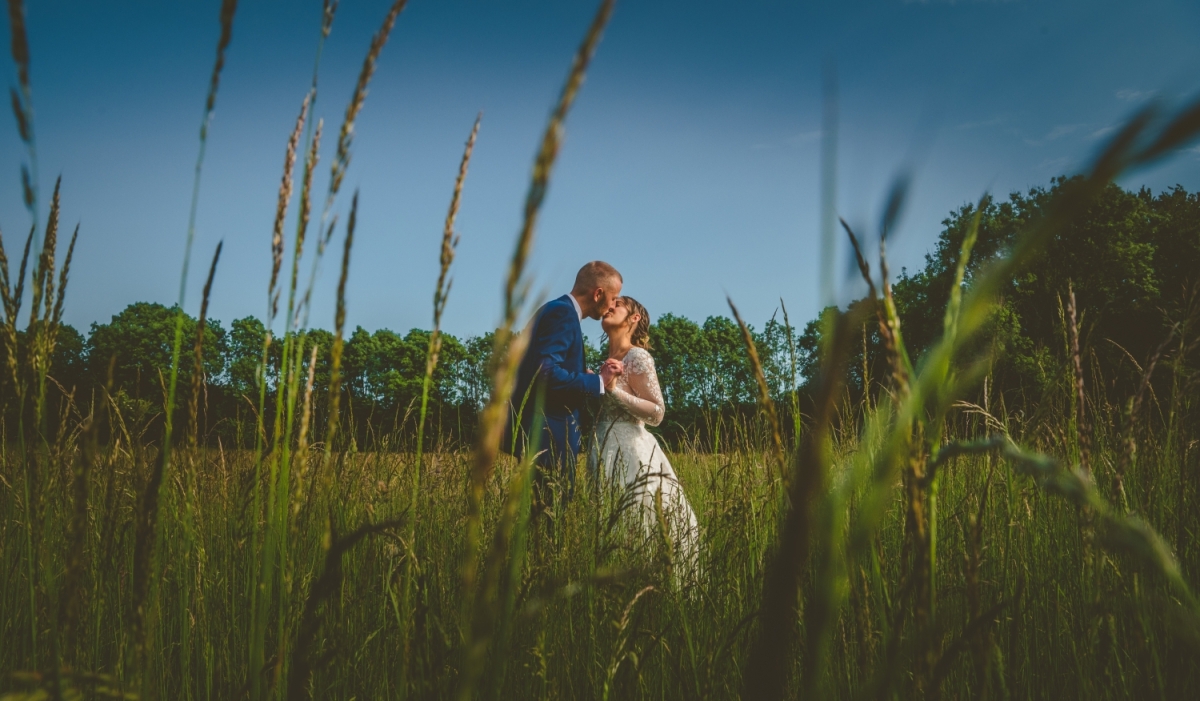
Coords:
553,384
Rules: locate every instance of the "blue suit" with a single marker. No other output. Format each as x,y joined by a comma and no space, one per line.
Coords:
553,372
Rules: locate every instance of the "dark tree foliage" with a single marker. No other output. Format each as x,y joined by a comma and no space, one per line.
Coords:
388,370
706,366
245,350
679,354
69,362
706,375
1132,258
472,370
141,339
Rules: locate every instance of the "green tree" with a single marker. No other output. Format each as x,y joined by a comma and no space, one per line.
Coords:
244,355
776,357
680,355
728,373
68,366
470,371
140,338
1130,257
388,370
323,340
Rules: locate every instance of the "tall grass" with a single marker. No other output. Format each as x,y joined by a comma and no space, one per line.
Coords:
481,601
922,543
450,239
147,552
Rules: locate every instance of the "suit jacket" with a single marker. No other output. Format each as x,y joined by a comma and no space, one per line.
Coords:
554,367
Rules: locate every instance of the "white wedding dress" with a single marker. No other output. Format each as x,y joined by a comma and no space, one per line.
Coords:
629,457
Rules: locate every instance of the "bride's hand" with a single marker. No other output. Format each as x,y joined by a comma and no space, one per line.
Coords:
609,372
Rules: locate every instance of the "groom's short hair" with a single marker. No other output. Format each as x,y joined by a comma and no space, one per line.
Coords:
595,274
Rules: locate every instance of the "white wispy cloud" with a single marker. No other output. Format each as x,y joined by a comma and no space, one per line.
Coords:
804,137
798,139
1063,130
1102,132
1056,133
993,122
1054,164
1135,95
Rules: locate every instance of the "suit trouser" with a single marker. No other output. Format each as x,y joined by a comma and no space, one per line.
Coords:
558,447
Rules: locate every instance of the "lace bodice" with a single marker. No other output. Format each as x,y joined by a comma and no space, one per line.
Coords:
636,396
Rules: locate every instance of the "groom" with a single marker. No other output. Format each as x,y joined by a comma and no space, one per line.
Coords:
553,374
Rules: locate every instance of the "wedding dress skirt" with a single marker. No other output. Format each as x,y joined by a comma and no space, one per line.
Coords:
628,457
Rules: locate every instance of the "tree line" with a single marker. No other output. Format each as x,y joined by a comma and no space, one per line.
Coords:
703,367
1131,261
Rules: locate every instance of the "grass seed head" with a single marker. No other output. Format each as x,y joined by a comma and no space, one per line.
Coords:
328,10
310,165
198,349
20,43
62,279
345,138
285,196
228,9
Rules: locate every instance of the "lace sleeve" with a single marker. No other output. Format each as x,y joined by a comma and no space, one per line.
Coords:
644,400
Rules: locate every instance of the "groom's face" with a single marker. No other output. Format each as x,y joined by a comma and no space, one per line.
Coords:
605,298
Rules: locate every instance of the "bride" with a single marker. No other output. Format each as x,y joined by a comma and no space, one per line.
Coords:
623,451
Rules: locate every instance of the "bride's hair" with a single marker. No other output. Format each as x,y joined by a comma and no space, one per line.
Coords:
641,333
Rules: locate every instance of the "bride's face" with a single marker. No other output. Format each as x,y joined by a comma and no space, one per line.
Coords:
615,319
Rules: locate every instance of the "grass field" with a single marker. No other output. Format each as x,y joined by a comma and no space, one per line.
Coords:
1027,606
922,542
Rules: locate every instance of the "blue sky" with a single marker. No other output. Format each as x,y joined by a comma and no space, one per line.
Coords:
691,158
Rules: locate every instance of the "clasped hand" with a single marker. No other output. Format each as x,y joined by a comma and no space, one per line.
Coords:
609,371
